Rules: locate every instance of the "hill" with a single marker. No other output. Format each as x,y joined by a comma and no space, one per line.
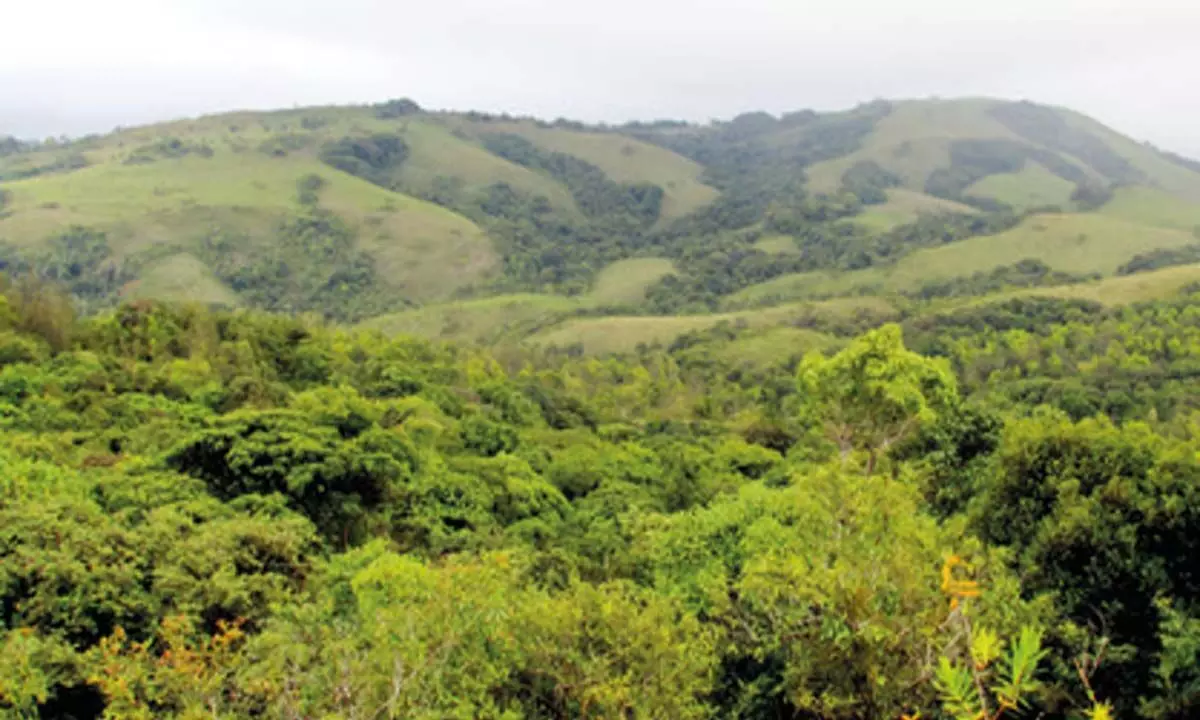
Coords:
498,228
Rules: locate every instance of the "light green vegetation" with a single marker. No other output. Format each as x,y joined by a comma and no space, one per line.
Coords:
510,318
1159,171
422,250
626,281
437,153
905,206
774,345
1074,242
1150,206
182,277
777,245
1034,186
1140,287
623,334
914,140
496,319
626,160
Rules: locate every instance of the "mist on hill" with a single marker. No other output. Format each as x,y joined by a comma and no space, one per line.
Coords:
135,61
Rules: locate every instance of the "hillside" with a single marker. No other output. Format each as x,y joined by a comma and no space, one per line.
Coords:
497,228
375,412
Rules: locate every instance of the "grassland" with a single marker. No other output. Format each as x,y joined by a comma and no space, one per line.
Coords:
626,160
775,344
511,318
436,153
777,245
422,250
1150,206
1140,287
905,206
626,281
914,140
504,318
182,277
626,333
1159,171
1034,186
1074,242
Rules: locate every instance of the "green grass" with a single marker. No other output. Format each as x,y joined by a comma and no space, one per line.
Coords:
1074,242
626,281
914,140
490,320
625,333
777,245
775,345
422,250
1034,186
437,153
1139,287
906,206
1159,171
182,277
1149,206
626,160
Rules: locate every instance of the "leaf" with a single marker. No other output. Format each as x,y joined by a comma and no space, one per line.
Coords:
957,692
1020,665
985,648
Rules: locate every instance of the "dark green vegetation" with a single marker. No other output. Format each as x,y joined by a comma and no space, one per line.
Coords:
250,515
896,416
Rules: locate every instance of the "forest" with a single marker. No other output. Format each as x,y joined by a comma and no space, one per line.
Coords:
985,513
386,412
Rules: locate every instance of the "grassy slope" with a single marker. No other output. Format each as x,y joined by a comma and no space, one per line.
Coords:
182,277
1034,186
1153,207
621,334
905,206
777,245
1079,243
913,140
495,319
422,250
776,344
626,281
1176,180
627,160
1153,285
437,153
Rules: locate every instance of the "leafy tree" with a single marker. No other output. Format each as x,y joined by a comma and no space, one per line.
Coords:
874,394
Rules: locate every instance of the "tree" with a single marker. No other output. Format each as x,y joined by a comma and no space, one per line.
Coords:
875,393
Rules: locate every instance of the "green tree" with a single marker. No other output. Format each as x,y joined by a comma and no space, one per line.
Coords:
875,393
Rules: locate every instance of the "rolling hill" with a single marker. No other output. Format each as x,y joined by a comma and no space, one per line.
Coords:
494,228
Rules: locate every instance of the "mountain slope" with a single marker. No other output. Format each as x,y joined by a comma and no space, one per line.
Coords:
489,227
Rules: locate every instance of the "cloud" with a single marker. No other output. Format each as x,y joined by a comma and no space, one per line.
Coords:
82,65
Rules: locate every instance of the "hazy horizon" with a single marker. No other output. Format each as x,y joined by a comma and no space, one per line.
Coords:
78,68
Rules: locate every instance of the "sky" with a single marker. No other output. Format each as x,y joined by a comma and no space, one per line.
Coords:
78,66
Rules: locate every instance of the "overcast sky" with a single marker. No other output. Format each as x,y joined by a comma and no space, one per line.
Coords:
76,66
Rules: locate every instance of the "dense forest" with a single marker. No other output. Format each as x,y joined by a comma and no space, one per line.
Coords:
236,514
897,418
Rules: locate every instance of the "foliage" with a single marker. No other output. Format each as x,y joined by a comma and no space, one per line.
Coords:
594,193
311,264
375,158
874,394
1144,262
167,148
988,509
